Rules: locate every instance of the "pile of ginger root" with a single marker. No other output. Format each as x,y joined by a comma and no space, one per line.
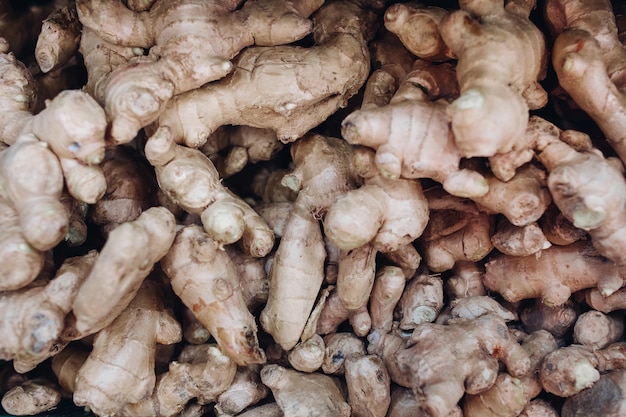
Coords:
311,208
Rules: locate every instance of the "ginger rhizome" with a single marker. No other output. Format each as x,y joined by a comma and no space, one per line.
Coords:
439,370
137,91
205,279
58,40
501,59
315,82
604,398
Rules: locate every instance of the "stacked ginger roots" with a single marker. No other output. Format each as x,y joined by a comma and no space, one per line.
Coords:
313,208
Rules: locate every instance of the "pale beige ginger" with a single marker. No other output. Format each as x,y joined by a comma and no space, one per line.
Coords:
315,82
231,148
466,280
539,408
388,290
558,229
121,366
476,306
509,395
605,398
205,279
340,346
518,278
265,410
202,372
417,26
308,356
558,320
570,369
304,394
66,363
598,330
128,256
355,276
35,316
77,141
58,40
501,59
519,240
191,181
333,313
252,274
32,397
440,363
428,150
384,213
404,404
368,385
136,92
606,304
588,58
421,301
245,390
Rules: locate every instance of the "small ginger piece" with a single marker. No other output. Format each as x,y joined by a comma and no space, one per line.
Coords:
519,240
300,393
245,390
66,363
107,380
252,274
421,301
355,276
558,229
491,40
126,259
340,346
466,281
265,410
606,304
405,404
189,179
307,356
558,320
58,40
598,330
369,386
32,397
539,408
387,291
605,398
440,363
476,306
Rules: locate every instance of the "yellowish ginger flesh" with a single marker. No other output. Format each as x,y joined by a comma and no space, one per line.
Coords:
205,279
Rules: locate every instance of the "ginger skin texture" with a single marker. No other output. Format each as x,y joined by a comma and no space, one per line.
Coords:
58,40
605,398
120,368
136,92
315,82
491,40
442,362
205,279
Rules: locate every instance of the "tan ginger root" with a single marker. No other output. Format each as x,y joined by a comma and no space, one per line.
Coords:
307,356
301,252
501,56
605,398
355,276
315,82
78,141
606,304
189,179
120,368
252,273
421,301
387,213
58,40
509,395
598,330
340,346
438,377
126,259
245,390
417,26
66,363
428,149
387,291
466,281
590,191
369,386
404,404
32,397
518,278
558,229
299,394
205,279
539,408
570,369
265,410
519,240
589,61
558,320
137,91
35,316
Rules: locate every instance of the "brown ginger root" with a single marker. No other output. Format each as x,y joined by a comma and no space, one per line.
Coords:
558,320
588,58
519,240
340,346
66,363
606,304
126,259
605,398
598,330
307,356
107,380
438,377
491,114
137,91
387,291
205,279
558,229
32,397
315,82
539,408
368,384
404,404
421,301
300,394
466,281
355,276
252,273
189,179
58,40
245,390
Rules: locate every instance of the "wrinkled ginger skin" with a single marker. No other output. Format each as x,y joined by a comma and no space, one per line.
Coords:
520,278
58,40
424,362
31,397
190,42
368,384
315,82
126,349
605,398
491,114
205,279
126,259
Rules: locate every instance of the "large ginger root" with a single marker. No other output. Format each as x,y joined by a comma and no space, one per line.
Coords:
605,398
383,212
189,178
34,317
136,92
315,82
588,58
501,56
598,330
78,141
120,368
205,279
428,150
300,394
519,278
442,362
126,259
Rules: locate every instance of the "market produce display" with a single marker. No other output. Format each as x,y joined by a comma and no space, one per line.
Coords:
313,208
